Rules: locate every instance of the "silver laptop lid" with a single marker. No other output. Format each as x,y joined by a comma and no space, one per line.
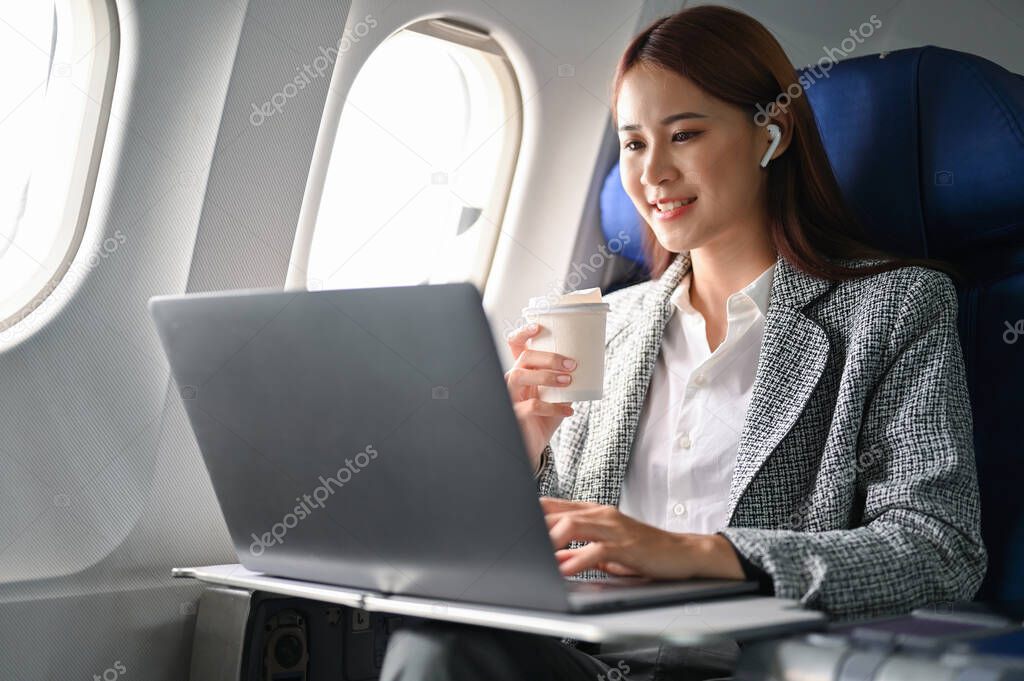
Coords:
365,438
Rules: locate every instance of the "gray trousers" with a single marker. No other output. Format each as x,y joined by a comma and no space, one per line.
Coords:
430,650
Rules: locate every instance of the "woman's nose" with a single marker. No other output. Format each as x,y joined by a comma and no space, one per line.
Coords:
658,168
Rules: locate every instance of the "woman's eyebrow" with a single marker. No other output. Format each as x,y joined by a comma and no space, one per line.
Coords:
629,127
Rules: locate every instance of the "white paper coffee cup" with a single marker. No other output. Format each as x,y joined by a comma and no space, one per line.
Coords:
576,331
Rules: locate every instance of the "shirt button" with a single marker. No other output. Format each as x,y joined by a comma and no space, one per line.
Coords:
684,441
698,379
679,509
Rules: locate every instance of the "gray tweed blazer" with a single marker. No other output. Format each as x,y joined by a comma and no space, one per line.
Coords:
854,487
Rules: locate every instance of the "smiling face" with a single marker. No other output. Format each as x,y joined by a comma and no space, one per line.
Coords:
678,143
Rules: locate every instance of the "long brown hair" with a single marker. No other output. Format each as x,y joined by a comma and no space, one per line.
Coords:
732,57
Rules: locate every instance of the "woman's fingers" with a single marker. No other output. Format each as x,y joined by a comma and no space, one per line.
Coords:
541,359
580,526
582,520
536,368
612,567
616,568
517,339
536,359
519,377
572,561
538,407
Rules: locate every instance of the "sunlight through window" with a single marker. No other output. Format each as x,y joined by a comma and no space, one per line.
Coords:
420,168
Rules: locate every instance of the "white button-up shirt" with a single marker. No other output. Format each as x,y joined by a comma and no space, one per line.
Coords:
682,462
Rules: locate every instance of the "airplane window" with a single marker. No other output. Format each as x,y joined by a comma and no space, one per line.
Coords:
420,168
51,108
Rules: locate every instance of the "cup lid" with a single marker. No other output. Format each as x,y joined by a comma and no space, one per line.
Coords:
576,301
566,309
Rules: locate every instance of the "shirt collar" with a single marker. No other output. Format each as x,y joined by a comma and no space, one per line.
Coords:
759,291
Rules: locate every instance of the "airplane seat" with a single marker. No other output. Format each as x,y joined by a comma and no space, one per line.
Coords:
618,217
928,147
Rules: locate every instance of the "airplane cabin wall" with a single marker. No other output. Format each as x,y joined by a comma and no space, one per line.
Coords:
104,490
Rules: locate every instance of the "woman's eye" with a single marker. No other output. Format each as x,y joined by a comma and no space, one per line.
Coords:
682,136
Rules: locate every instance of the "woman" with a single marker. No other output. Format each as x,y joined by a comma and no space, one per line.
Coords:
782,402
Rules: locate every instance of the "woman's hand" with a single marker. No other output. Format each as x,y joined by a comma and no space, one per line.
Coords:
538,419
620,545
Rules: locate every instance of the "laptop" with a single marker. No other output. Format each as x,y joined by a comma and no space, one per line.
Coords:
366,438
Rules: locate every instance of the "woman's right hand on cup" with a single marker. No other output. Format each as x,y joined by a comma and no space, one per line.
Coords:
538,419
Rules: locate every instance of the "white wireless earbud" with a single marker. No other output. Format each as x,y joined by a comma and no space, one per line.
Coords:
776,134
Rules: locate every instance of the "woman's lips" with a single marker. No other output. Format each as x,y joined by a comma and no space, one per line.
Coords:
674,213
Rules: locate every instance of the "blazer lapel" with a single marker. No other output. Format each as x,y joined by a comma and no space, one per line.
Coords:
793,355
603,468
791,361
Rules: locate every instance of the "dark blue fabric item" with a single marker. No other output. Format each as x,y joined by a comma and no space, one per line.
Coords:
927,145
619,214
